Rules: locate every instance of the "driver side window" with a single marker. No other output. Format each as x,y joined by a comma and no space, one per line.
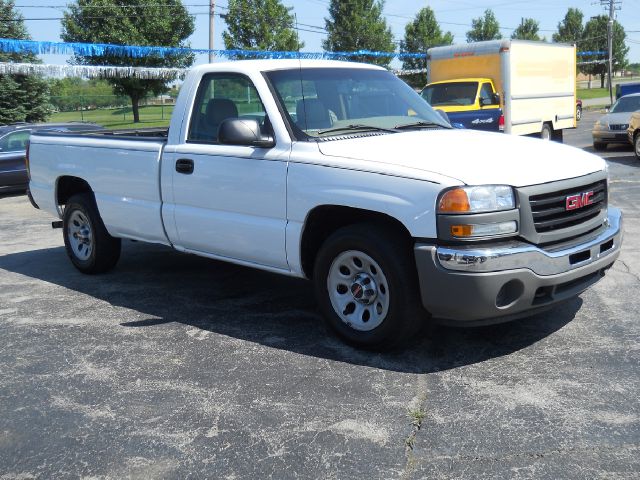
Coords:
222,96
486,94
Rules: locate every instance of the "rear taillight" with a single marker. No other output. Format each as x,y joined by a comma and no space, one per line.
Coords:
501,123
26,160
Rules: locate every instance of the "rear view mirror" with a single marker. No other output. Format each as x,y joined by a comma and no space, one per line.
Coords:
244,131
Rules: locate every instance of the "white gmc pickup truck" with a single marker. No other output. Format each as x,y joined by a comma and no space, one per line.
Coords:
340,173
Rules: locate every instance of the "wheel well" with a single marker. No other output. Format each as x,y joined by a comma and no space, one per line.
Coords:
322,221
69,186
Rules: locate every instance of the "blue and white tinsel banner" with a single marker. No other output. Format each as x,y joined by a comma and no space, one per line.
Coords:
92,71
10,45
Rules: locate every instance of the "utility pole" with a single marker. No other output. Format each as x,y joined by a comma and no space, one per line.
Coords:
612,14
212,8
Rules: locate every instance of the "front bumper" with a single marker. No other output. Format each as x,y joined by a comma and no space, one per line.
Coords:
490,284
610,136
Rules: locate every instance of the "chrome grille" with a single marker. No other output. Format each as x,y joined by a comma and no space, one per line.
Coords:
550,213
618,126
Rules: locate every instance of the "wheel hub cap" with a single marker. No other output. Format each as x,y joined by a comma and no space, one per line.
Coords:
364,289
80,235
358,290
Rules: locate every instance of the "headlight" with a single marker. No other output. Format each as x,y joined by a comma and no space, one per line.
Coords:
485,198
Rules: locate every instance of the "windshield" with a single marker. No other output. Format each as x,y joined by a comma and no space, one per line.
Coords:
450,94
626,104
323,102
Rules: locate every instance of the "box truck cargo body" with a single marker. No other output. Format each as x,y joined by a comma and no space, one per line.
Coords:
535,81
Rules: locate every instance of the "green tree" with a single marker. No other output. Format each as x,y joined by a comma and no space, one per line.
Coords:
595,40
484,28
260,25
570,28
527,30
22,97
147,22
358,25
419,35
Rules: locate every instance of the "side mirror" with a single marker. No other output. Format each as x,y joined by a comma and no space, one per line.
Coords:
243,131
607,108
495,99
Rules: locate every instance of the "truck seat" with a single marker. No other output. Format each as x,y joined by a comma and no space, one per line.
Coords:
207,124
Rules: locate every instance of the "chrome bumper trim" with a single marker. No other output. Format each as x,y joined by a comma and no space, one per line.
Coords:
523,255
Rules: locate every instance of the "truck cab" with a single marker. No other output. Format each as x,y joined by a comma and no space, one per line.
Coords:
471,102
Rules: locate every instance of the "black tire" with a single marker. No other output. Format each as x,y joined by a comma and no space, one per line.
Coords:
578,114
547,132
636,145
86,240
599,146
401,317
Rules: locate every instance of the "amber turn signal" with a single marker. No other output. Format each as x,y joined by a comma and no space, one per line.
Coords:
454,201
461,231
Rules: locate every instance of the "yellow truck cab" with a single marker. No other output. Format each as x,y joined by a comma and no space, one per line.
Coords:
472,102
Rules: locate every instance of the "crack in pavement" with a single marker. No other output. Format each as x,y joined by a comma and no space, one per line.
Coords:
417,412
628,270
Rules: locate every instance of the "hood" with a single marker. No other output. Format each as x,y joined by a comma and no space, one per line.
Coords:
470,156
615,118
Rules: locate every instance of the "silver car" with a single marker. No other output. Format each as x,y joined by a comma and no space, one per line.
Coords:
612,127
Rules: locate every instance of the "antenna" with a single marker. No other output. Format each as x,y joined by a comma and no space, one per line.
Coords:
304,103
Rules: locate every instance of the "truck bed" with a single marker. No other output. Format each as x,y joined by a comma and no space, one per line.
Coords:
122,168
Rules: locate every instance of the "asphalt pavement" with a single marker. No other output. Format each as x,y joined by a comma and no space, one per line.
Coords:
174,366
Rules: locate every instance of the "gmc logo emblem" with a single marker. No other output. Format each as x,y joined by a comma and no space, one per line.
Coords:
573,202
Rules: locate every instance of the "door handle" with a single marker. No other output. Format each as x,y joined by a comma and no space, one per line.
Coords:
184,165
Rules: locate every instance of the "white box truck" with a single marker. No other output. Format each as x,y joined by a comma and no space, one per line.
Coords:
516,86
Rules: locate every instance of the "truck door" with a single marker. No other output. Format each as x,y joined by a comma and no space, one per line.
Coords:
486,116
226,200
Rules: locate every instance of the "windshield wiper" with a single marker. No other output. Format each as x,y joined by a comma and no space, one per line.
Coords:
419,125
356,127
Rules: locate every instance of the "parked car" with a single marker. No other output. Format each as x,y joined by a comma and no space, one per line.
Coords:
369,192
633,132
13,145
612,127
578,109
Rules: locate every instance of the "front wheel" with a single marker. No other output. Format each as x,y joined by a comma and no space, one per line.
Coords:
86,240
578,114
367,287
636,145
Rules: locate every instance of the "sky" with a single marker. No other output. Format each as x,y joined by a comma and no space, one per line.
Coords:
453,15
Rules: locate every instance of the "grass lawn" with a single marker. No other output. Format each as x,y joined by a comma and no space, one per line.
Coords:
151,116
585,93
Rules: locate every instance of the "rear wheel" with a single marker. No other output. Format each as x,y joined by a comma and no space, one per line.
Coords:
578,113
88,244
367,286
599,146
547,132
636,145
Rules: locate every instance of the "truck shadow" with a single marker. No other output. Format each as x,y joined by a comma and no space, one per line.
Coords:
165,286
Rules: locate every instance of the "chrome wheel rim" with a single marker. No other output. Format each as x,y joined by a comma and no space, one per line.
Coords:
358,290
638,146
80,235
